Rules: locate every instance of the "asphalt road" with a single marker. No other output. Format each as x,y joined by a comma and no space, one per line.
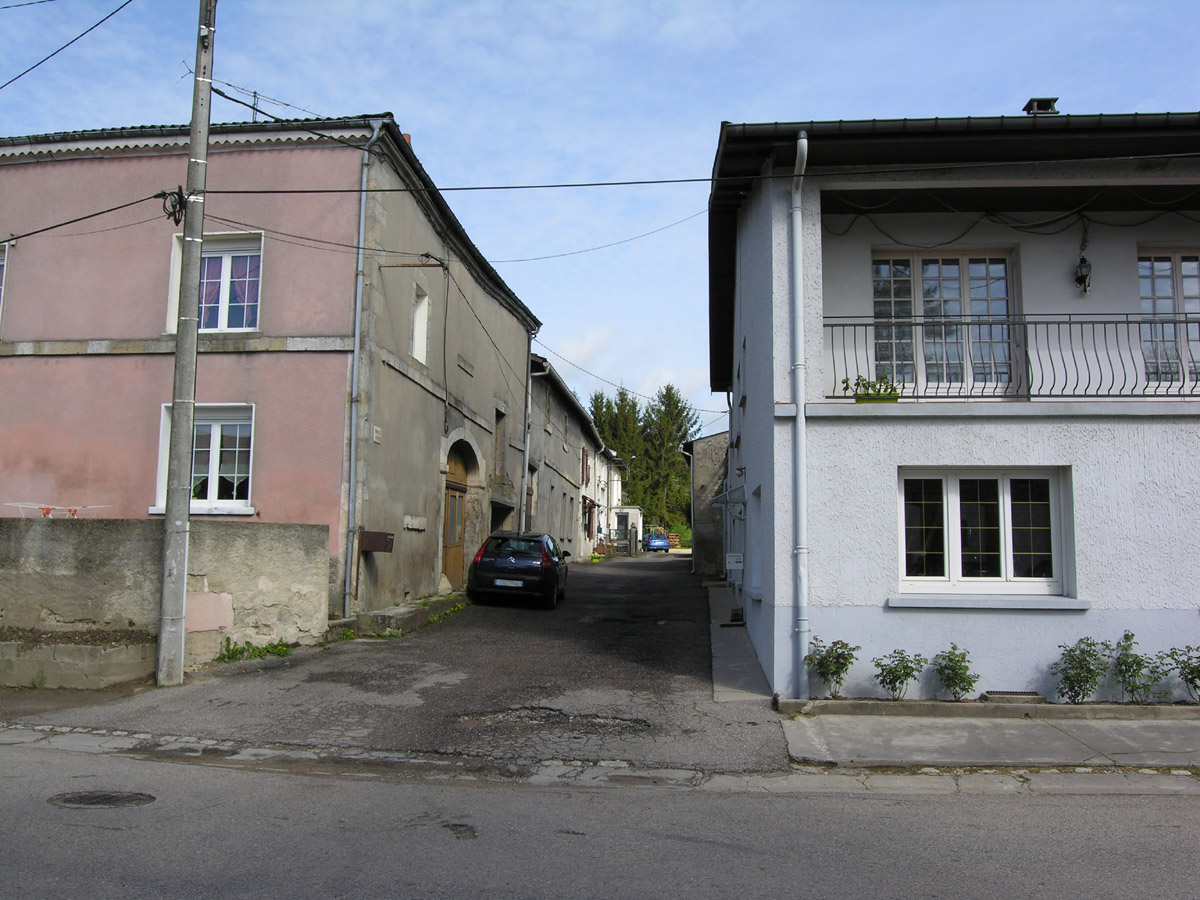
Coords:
212,832
619,671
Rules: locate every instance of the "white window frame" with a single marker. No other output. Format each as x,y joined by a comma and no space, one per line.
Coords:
206,414
225,244
953,582
1184,339
923,332
3,273
421,318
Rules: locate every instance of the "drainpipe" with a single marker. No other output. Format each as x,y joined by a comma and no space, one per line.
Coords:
351,504
799,435
692,495
525,450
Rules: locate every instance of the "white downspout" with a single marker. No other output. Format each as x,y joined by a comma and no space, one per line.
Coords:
351,504
799,435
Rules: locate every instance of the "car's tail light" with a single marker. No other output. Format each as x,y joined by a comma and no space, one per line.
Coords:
546,564
479,555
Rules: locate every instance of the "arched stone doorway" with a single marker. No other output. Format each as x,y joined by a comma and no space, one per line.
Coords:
460,468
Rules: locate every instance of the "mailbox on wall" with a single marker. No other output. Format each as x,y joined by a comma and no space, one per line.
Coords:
375,541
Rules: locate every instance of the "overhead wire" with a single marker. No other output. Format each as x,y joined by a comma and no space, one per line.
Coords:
622,387
103,212
65,46
601,246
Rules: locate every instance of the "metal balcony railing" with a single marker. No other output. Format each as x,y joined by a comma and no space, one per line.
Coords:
1017,357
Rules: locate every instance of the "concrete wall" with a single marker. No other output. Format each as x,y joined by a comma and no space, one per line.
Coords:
463,388
555,449
257,582
709,467
86,349
1127,486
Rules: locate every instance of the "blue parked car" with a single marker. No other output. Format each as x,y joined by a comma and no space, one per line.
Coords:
655,540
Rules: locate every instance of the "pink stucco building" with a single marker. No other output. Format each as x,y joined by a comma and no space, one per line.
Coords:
361,365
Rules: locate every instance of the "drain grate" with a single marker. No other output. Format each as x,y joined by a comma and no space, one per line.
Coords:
100,799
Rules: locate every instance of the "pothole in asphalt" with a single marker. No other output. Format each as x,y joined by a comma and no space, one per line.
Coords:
544,717
100,799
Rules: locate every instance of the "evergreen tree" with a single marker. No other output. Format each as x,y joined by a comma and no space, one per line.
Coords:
667,423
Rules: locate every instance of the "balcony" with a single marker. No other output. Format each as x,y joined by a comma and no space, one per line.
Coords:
1018,357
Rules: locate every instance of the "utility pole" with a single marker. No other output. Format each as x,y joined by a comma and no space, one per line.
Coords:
183,395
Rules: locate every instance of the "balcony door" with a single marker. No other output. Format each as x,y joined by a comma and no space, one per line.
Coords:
944,324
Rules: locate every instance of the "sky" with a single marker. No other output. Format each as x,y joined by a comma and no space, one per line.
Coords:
525,92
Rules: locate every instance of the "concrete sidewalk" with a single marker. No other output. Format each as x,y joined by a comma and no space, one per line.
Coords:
909,741
915,734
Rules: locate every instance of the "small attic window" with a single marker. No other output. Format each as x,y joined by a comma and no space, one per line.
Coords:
1041,106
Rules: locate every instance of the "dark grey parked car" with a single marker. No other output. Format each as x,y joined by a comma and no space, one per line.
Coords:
523,564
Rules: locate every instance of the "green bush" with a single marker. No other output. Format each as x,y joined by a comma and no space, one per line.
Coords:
1080,669
896,670
1140,674
953,669
830,663
1187,662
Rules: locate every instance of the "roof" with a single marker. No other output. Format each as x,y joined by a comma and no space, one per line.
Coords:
172,138
743,151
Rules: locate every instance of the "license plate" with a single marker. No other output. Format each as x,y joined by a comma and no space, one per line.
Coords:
508,582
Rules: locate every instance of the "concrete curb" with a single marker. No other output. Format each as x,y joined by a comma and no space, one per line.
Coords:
406,618
939,709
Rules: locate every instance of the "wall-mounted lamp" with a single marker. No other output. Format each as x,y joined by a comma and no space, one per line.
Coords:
1083,274
740,470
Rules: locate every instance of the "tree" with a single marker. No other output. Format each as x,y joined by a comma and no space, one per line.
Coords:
667,423
619,424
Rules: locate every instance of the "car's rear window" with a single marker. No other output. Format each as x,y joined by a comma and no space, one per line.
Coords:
515,547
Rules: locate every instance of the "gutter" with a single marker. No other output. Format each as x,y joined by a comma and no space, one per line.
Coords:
799,431
352,491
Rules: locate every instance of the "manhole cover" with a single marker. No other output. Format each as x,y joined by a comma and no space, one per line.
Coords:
100,799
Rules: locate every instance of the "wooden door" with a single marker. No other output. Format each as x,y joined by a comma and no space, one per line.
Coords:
454,526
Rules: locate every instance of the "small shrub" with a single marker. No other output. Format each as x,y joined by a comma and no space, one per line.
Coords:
830,663
953,669
235,652
1187,663
1139,674
1080,669
896,670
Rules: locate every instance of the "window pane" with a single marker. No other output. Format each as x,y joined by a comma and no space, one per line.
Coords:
894,352
1033,555
243,291
924,528
201,452
979,527
210,291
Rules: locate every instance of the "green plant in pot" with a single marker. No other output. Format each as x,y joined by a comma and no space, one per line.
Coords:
871,389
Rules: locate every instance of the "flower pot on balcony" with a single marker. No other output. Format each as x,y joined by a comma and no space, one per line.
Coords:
876,398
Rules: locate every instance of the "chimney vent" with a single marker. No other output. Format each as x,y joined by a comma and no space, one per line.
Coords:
1041,106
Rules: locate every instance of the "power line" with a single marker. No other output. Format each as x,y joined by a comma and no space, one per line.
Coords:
103,212
66,45
613,383
27,3
602,246
250,92
294,123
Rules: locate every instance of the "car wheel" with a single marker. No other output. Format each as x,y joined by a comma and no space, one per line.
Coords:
551,601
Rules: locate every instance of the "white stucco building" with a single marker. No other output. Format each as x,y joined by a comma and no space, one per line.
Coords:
1031,285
